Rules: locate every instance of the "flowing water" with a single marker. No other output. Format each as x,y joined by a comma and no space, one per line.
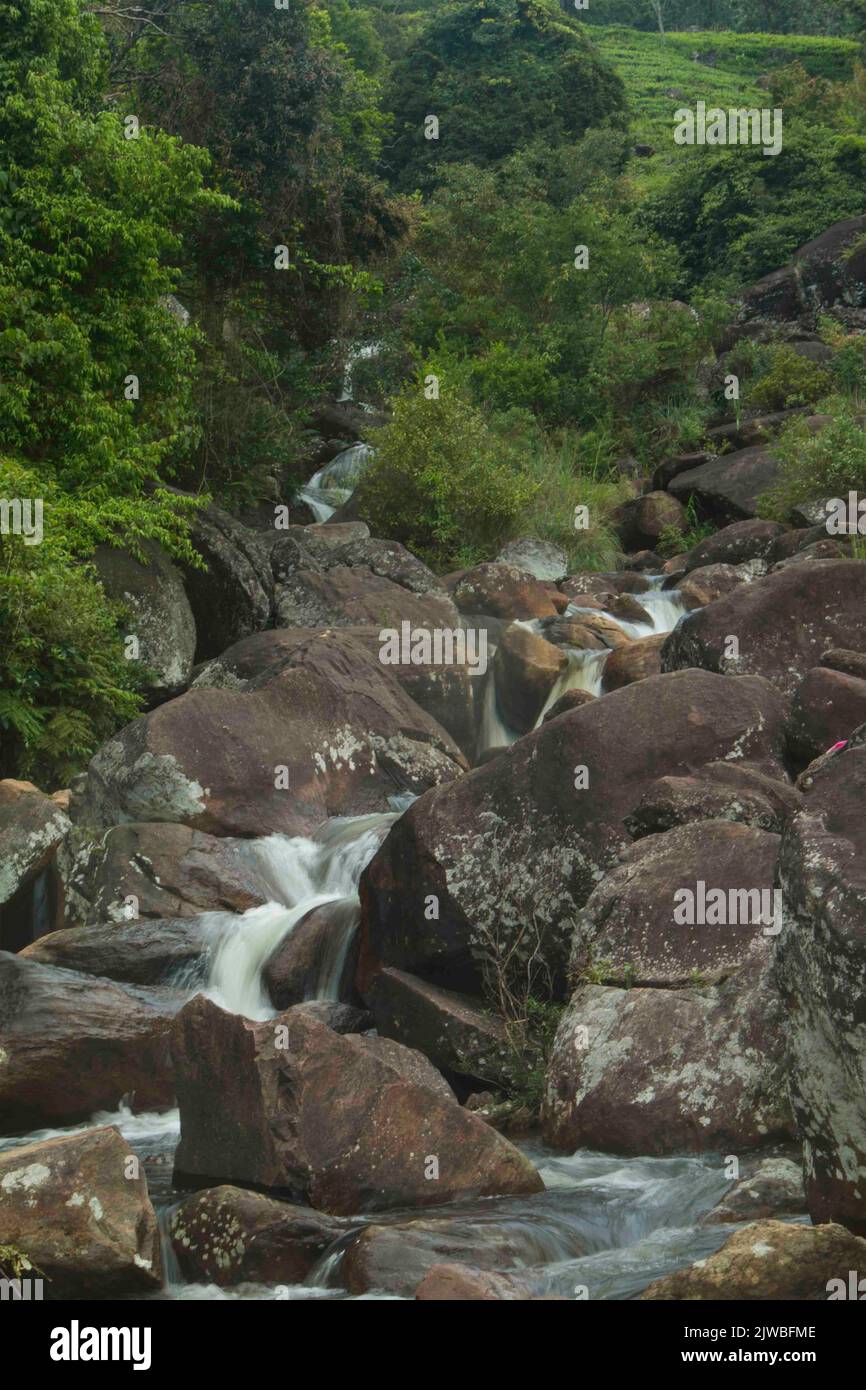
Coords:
334,484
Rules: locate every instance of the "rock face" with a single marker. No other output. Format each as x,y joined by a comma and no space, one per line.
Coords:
702,586
147,952
631,921
770,1260
79,1210
824,272
641,521
71,1045
822,975
728,487
233,595
226,1235
659,1070
451,1029
769,1187
720,791
160,615
735,544
542,559
512,851
634,662
346,1124
502,591
344,596
525,669
32,826
828,706
782,624
297,966
331,733
160,870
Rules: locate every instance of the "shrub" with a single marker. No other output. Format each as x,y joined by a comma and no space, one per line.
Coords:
791,381
815,466
439,483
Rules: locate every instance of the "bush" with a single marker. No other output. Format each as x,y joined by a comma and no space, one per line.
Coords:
791,381
439,483
831,463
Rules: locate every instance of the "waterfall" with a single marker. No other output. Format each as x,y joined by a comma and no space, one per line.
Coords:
585,669
298,874
334,484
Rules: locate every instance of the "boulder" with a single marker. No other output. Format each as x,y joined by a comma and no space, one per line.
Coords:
232,595
450,1282
669,468
542,559
630,922
503,591
771,1186
640,522
510,852
659,1071
770,1261
32,827
320,946
782,624
345,1124
77,1207
73,1044
606,630
719,791
154,869
226,1235
634,662
850,663
150,952
703,586
832,267
620,581
727,488
525,668
827,707
346,597
159,612
454,1030
337,723
735,544
570,699
822,975
569,632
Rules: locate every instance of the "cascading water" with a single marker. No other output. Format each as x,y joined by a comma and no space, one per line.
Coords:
334,484
585,669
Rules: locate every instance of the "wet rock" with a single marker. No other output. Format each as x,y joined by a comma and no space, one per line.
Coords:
160,870
627,607
630,926
621,581
570,632
634,662
822,974
640,522
147,952
345,1124
78,1208
503,591
770,1260
734,544
705,585
330,733
341,1018
827,707
320,947
233,595
605,629
727,488
665,1070
510,852
770,1187
72,1044
32,827
720,791
571,699
453,1030
160,615
782,624
226,1236
542,559
525,668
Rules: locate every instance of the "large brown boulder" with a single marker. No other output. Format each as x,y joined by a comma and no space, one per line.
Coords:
501,591
634,662
782,623
78,1208
71,1044
511,852
727,488
665,1070
32,827
630,921
735,544
232,595
827,707
641,522
822,975
771,1260
321,945
702,586
720,791
226,1235
160,870
525,668
158,612
147,952
344,1124
331,733
353,597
